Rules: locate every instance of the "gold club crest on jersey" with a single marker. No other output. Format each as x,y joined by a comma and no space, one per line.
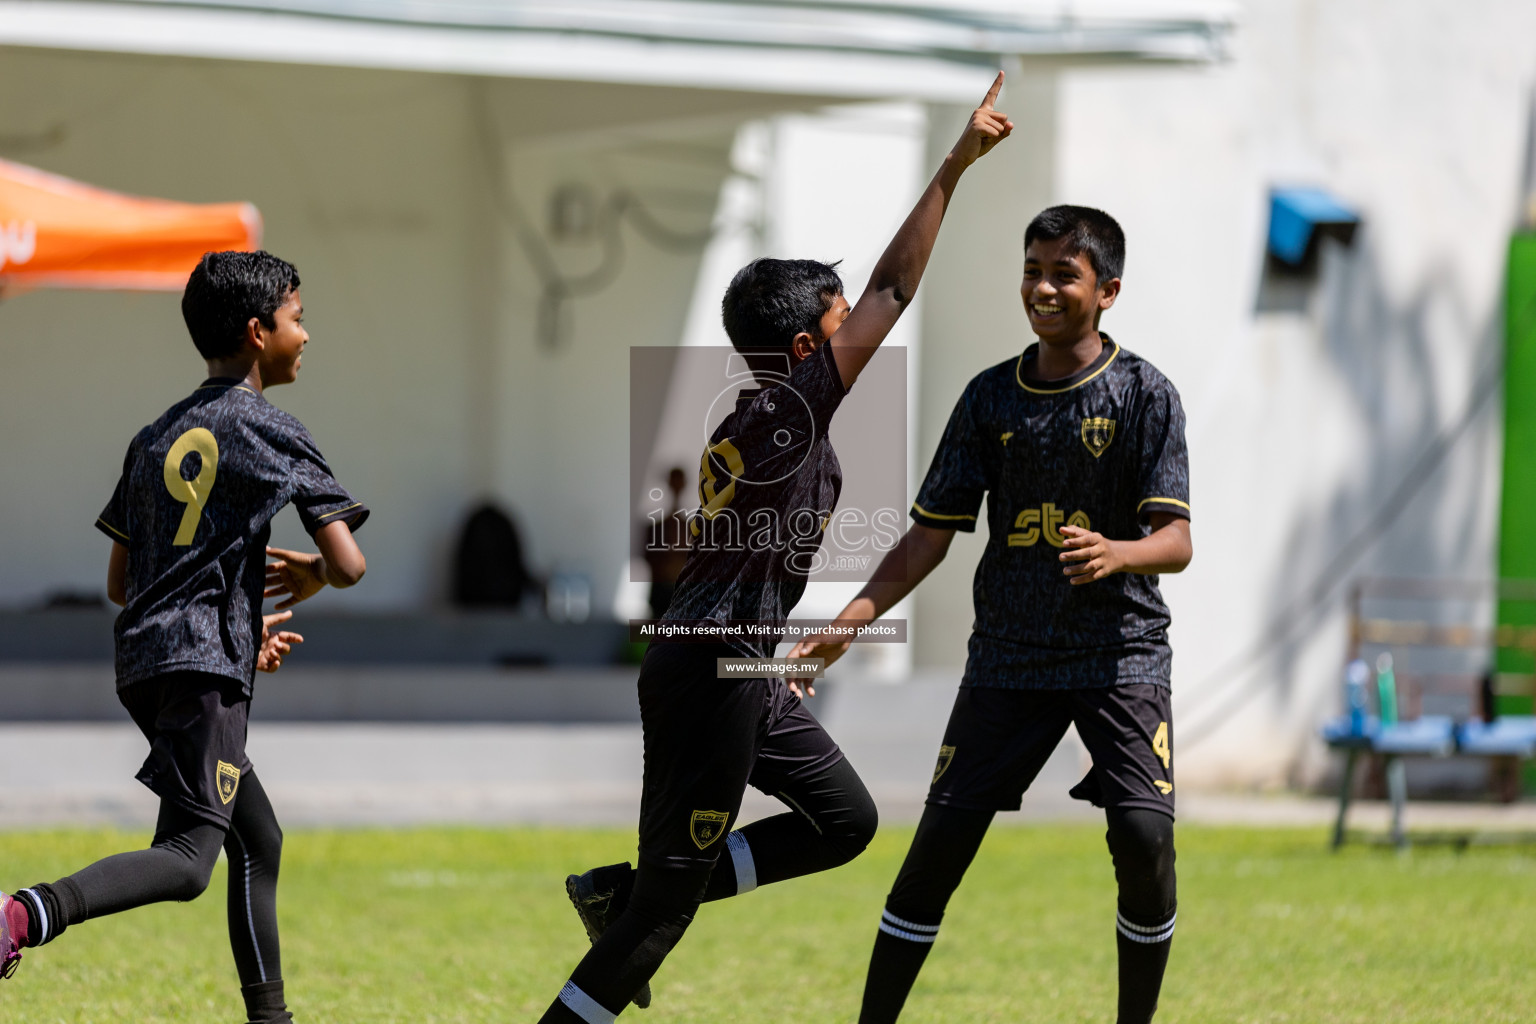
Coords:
946,755
1097,433
707,826
229,780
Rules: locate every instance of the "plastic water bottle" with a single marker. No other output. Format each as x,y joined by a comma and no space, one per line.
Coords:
1355,677
1386,689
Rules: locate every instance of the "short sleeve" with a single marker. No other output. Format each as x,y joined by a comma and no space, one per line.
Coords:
773,429
950,497
1163,483
319,499
115,520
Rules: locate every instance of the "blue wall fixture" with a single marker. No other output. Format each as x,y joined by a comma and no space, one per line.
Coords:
1299,216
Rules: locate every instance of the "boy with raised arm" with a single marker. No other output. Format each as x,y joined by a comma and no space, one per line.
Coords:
189,523
706,738
1078,447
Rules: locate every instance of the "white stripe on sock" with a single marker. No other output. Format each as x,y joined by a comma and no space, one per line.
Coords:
741,859
890,929
584,1006
1142,933
910,926
1121,919
42,914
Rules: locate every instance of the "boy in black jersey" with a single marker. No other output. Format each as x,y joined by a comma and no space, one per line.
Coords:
1078,447
189,523
707,738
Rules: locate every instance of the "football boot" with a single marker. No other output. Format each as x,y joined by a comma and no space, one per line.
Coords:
13,934
595,895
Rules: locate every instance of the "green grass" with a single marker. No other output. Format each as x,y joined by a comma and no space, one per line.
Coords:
471,925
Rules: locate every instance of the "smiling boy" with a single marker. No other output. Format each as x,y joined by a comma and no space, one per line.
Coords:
189,523
1078,447
707,737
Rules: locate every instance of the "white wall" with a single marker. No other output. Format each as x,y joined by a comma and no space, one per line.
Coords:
1308,406
428,385
387,287
425,384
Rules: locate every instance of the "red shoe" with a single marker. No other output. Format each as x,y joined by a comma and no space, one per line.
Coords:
13,934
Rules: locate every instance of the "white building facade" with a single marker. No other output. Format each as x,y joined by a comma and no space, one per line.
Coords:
431,182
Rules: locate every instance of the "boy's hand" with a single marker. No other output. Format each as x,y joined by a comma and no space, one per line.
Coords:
269,656
830,646
298,574
1095,556
988,127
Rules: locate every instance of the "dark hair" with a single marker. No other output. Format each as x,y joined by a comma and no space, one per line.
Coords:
1091,231
226,290
770,301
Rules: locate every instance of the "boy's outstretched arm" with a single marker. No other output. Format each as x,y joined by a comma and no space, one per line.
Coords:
895,277
1091,556
300,575
901,570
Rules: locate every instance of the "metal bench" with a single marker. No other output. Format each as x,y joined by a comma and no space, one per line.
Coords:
1429,736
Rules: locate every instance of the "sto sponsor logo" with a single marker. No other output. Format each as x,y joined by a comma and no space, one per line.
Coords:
1046,521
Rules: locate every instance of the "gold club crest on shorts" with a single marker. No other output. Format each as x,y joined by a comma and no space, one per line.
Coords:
1097,433
228,777
707,826
946,755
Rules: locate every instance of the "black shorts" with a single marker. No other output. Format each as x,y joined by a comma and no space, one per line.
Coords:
195,723
997,741
706,740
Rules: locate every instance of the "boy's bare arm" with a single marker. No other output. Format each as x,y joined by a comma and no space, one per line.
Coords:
300,574
1091,556
117,575
903,568
894,280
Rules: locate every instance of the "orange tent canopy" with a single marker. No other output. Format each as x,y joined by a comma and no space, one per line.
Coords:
58,233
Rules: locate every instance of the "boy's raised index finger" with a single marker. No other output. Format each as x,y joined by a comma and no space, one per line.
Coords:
992,93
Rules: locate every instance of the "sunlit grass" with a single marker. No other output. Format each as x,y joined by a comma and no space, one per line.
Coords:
472,925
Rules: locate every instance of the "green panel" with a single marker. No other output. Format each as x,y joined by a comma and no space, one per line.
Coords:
1517,534
1517,521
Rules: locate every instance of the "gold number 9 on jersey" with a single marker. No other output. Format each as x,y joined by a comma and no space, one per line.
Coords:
192,493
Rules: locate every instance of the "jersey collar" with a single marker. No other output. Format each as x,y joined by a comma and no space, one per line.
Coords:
225,383
1035,386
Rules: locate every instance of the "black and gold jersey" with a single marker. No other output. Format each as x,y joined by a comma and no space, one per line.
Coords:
194,507
1103,450
768,482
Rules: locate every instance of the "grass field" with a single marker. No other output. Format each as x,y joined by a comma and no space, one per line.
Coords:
472,925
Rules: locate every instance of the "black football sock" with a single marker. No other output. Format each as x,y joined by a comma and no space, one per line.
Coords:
946,841
831,821
50,909
1141,843
1143,948
629,952
264,1002
175,867
901,946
